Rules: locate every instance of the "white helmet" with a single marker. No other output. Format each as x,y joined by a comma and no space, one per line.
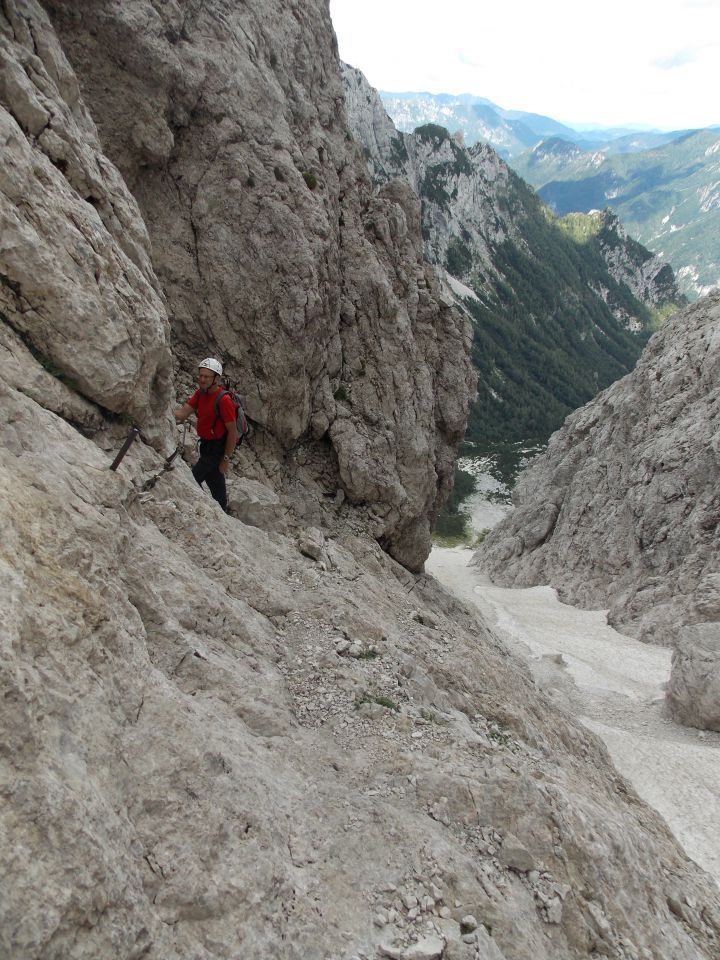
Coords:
210,364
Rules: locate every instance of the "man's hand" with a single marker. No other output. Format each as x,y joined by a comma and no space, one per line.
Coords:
224,467
183,412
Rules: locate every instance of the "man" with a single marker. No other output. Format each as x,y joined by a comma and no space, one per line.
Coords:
218,434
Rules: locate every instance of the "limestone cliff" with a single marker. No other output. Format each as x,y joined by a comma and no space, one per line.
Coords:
250,738
622,511
77,286
228,123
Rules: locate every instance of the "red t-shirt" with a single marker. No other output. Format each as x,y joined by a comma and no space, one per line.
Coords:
210,426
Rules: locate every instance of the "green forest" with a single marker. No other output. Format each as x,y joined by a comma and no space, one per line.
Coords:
544,342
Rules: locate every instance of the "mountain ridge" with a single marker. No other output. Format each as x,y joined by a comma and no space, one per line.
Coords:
666,196
553,304
410,109
625,184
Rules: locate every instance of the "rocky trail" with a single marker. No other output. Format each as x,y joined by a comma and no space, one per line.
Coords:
615,686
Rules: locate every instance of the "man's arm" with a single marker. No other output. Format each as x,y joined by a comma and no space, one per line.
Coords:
231,438
183,412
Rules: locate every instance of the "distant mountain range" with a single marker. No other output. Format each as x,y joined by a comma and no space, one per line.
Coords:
664,186
668,198
511,132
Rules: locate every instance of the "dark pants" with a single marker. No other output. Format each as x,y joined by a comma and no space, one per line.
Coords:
206,470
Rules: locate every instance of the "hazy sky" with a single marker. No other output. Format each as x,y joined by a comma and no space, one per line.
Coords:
654,62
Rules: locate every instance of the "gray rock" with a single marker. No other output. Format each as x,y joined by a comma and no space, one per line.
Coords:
391,949
80,288
622,510
427,618
693,694
311,543
429,948
273,250
514,855
257,505
554,910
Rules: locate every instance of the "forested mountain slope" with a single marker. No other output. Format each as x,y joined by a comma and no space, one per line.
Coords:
560,308
668,197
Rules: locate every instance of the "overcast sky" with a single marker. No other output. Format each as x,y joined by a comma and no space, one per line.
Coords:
653,62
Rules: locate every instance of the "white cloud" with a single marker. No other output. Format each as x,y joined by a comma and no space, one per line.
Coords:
623,61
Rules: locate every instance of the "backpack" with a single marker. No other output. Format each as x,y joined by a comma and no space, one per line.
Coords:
240,419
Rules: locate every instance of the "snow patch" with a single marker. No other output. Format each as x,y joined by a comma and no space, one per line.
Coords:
460,289
615,686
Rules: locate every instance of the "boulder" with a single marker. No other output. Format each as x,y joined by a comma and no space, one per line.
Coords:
257,505
693,694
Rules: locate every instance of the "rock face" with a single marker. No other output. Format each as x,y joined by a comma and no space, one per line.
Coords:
194,763
622,511
650,280
263,740
228,123
693,695
78,293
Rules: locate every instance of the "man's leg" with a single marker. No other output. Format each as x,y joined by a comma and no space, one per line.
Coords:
206,470
216,485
